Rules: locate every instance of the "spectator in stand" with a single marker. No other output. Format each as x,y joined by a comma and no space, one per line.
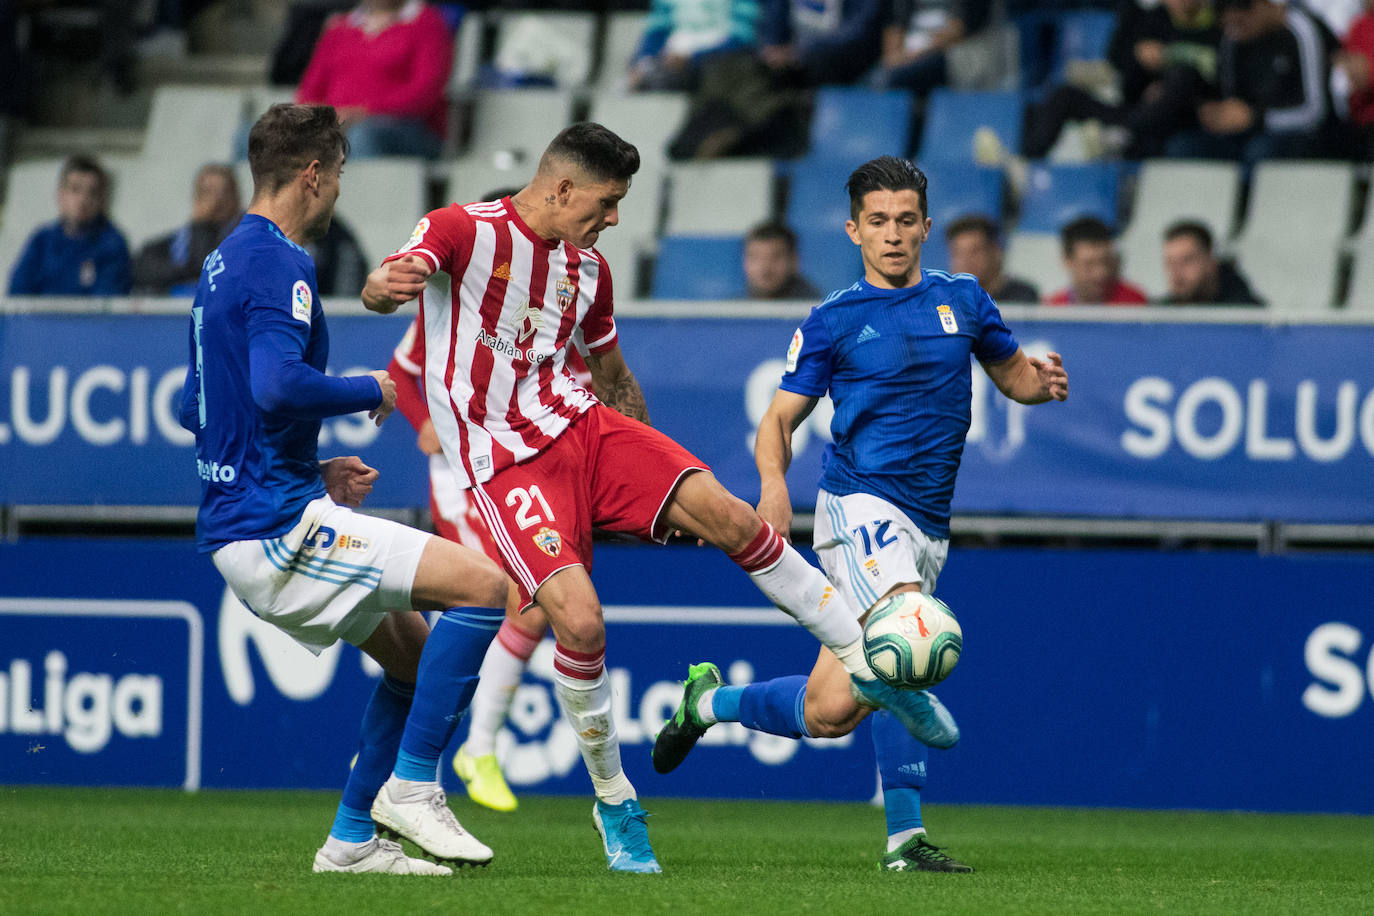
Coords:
1353,80
1166,59
916,37
975,247
680,34
82,253
771,267
384,66
1196,276
1273,69
820,44
1094,267
170,265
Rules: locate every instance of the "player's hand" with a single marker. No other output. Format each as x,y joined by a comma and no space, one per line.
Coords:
427,440
1054,380
396,283
348,480
384,409
776,509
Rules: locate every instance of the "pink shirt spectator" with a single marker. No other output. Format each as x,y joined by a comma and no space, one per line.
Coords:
400,71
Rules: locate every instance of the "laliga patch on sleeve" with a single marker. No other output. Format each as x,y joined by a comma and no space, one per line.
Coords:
418,235
794,350
300,301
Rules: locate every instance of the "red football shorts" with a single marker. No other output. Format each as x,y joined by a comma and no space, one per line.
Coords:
605,471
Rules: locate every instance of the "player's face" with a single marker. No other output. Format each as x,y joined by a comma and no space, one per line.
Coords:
587,209
889,231
321,203
1092,270
1189,267
80,198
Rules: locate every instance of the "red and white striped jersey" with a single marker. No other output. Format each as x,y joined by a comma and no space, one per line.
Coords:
496,359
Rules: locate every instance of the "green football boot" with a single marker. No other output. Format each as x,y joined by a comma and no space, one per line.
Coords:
917,854
681,732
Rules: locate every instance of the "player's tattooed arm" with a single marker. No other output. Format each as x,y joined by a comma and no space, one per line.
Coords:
616,385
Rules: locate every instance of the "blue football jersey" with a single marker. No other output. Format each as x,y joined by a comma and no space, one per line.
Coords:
256,390
895,362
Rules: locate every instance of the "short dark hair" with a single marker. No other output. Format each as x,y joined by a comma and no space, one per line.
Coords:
598,151
974,222
1084,229
773,231
1193,228
886,173
85,164
287,138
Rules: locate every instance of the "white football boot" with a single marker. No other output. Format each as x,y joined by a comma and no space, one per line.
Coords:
425,819
382,857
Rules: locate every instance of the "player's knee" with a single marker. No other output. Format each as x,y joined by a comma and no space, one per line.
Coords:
489,585
733,523
830,717
581,630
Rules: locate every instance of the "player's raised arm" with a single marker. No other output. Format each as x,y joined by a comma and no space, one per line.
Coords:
773,455
616,385
1028,380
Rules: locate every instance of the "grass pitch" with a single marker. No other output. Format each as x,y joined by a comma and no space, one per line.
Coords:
136,851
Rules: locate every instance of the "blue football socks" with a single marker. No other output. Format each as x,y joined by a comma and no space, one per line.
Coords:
378,739
775,706
447,679
902,768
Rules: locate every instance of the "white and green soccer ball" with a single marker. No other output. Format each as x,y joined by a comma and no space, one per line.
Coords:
912,640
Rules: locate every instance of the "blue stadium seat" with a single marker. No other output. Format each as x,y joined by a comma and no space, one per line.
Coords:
955,190
1056,194
816,199
699,267
828,258
1081,35
953,116
856,125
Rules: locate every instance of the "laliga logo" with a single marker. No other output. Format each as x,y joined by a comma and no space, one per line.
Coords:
85,708
538,744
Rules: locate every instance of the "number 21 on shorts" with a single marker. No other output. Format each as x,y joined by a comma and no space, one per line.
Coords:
525,499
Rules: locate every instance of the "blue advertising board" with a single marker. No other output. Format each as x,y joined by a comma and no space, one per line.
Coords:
1121,678
1232,422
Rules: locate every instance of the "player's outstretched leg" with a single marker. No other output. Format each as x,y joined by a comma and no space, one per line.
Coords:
923,715
902,769
502,669
681,733
411,804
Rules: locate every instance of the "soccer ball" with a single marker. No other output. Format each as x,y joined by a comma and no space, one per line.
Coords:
912,640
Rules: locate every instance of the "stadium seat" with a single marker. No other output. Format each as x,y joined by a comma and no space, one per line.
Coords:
1036,258
719,197
1169,190
191,125
467,54
558,45
694,267
953,117
1080,35
476,177
1057,194
855,125
624,31
956,190
828,258
816,199
1290,246
649,120
382,200
518,122
30,201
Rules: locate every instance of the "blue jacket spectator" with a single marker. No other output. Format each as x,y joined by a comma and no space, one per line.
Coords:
828,43
680,33
82,254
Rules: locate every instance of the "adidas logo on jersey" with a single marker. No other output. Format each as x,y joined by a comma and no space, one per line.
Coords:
868,334
502,272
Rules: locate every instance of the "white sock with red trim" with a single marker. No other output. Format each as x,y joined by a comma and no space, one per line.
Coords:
504,665
585,692
802,591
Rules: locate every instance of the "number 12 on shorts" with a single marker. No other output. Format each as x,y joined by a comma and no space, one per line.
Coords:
877,540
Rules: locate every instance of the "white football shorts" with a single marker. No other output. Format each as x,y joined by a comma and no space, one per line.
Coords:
867,546
333,576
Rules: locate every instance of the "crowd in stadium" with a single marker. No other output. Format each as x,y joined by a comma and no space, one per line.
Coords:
1038,122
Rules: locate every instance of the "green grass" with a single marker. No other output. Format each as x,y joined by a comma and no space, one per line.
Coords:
132,851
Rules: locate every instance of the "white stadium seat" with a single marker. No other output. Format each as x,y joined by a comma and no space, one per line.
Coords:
1169,190
719,197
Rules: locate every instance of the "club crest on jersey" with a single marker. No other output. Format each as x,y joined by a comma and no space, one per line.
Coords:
947,319
549,541
794,350
418,235
300,301
527,320
565,292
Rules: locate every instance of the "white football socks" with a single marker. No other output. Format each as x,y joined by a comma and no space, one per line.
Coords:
802,591
587,704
